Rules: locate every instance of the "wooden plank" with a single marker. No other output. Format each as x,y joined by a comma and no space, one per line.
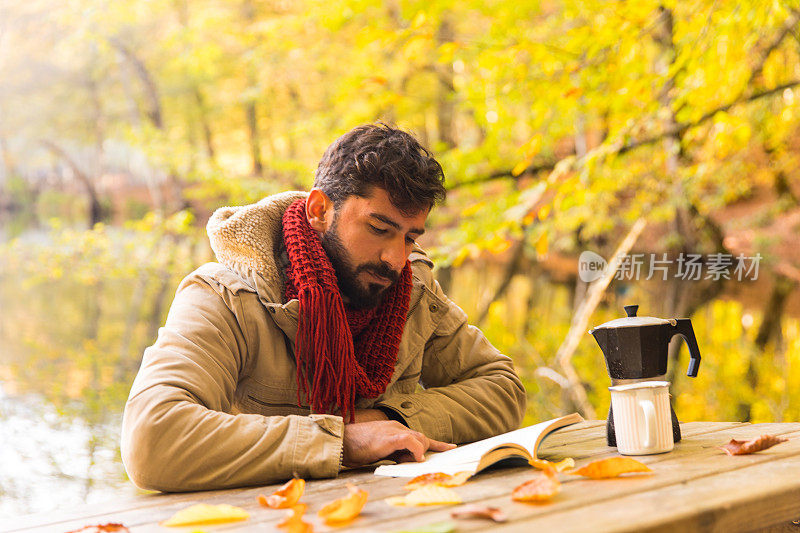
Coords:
553,447
377,509
586,441
498,482
133,509
758,496
693,459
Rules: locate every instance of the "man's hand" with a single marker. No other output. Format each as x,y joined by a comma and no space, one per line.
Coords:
367,442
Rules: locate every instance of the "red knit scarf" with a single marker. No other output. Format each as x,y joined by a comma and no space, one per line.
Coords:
340,352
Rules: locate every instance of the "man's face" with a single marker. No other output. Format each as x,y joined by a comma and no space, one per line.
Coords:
368,243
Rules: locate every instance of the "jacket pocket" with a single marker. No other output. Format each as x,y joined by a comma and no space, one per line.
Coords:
273,402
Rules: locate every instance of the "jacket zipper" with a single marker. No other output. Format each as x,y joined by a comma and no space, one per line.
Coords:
416,304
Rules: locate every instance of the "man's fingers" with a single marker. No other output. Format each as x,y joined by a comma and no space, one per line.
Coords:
438,446
402,456
412,442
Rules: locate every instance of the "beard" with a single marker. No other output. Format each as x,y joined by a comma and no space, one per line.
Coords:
359,295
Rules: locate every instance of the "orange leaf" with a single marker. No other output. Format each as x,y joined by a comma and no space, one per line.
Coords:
539,489
744,447
543,464
344,509
611,467
102,528
284,497
479,511
294,523
439,478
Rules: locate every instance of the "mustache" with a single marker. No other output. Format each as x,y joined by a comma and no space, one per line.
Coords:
381,269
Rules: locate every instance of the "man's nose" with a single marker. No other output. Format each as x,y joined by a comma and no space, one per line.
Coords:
395,255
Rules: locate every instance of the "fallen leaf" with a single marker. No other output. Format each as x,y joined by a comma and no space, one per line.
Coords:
611,467
284,497
294,523
564,464
539,489
203,513
427,495
102,528
437,527
744,447
479,511
439,478
344,509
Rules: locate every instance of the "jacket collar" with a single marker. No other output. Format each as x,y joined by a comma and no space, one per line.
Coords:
249,241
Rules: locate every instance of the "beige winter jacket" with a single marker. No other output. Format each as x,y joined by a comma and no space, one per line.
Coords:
215,402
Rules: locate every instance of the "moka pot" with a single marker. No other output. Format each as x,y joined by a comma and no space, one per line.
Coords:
636,349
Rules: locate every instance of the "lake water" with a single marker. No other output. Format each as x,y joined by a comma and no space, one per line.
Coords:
51,461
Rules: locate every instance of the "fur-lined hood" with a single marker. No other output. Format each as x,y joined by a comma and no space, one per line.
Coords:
248,239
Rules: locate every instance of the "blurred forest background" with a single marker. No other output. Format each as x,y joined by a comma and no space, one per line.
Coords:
562,126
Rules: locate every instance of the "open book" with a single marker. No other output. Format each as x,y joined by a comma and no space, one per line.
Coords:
520,444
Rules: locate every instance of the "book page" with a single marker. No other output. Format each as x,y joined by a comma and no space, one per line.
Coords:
467,457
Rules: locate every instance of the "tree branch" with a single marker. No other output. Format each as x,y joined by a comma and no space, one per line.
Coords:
151,90
580,321
632,145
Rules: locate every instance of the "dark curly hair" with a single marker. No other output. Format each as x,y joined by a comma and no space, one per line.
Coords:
383,156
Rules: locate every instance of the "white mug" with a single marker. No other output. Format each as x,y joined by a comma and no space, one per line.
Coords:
642,417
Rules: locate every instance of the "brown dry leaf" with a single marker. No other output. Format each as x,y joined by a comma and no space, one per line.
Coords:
439,478
561,466
294,523
611,467
203,513
427,495
102,528
345,509
744,447
539,489
284,497
479,511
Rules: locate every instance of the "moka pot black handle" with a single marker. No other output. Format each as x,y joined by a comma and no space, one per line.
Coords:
683,327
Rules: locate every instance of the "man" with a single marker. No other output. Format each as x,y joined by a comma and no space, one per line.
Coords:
301,351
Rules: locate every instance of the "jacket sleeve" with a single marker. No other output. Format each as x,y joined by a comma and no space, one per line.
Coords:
471,391
178,431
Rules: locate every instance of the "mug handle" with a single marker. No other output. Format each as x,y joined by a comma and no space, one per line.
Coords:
649,410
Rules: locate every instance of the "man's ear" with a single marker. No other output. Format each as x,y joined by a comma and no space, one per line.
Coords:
319,210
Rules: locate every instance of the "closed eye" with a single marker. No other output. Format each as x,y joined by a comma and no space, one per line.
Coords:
377,231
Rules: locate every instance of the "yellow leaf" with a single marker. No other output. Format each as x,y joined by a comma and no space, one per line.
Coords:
611,467
560,466
541,244
427,495
203,513
447,52
520,167
419,20
544,211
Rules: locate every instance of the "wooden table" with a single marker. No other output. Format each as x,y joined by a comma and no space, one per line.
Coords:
696,487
